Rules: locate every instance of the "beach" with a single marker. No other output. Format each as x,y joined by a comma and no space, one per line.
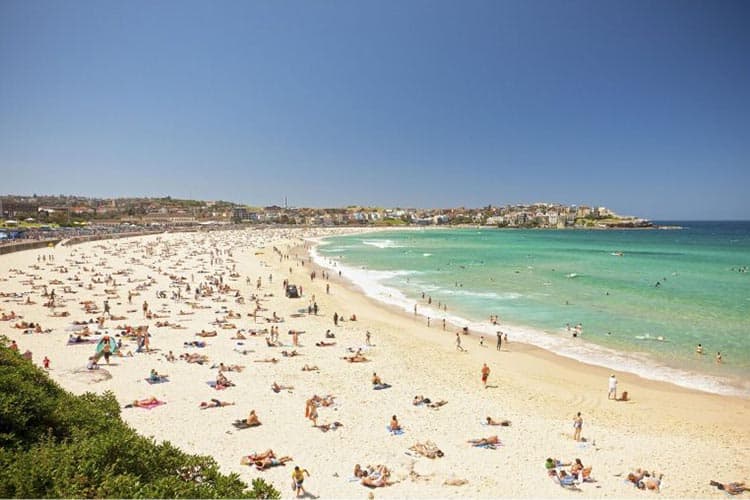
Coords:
690,437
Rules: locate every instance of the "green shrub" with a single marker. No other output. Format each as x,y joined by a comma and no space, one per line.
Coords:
54,444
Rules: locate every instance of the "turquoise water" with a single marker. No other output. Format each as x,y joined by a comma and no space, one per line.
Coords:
538,281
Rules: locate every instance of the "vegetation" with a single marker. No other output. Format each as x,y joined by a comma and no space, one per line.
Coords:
54,444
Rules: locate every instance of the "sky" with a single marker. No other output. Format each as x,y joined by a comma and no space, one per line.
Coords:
639,106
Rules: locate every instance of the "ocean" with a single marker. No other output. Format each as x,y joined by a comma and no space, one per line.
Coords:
644,298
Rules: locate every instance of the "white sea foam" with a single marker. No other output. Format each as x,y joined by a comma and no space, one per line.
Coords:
382,243
575,348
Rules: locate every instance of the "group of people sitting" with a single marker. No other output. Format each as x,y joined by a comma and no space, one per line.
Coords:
373,477
645,480
567,478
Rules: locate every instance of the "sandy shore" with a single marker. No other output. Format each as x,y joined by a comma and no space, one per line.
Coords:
690,437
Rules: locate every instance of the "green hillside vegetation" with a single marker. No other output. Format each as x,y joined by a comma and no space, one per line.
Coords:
54,444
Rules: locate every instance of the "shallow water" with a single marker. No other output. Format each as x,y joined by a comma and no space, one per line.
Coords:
645,298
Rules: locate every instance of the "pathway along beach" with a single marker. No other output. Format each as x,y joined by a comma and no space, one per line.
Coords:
690,437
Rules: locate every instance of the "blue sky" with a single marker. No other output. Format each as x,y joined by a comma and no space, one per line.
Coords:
642,106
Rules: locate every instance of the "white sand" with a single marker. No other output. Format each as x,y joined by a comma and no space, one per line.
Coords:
689,436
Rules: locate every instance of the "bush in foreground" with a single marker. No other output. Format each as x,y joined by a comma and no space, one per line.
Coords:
55,444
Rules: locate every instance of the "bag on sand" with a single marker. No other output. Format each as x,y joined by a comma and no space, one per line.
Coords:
294,485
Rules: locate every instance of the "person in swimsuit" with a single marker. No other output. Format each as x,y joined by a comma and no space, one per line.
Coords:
577,425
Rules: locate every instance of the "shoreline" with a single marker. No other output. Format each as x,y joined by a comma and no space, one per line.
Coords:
661,426
609,358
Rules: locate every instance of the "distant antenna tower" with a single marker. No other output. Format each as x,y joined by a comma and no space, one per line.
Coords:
285,204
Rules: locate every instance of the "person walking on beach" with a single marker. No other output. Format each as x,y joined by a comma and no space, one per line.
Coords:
458,343
499,340
612,387
298,476
335,319
145,308
577,425
485,374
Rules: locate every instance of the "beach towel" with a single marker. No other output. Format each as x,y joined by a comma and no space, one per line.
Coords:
380,387
212,383
396,432
242,424
159,380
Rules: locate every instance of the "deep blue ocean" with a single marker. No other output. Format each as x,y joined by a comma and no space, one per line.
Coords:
644,298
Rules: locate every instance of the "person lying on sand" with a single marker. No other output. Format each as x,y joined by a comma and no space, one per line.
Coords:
144,403
373,477
734,488
238,336
308,368
504,423
267,463
323,343
643,479
253,457
330,427
290,354
357,357
278,388
214,403
375,482
267,360
194,358
204,333
427,449
492,440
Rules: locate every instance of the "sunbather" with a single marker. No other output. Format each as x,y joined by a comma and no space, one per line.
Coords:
330,427
253,457
356,358
579,471
488,441
278,388
491,421
252,419
267,360
308,368
734,488
144,403
154,376
214,403
267,463
427,449
394,426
